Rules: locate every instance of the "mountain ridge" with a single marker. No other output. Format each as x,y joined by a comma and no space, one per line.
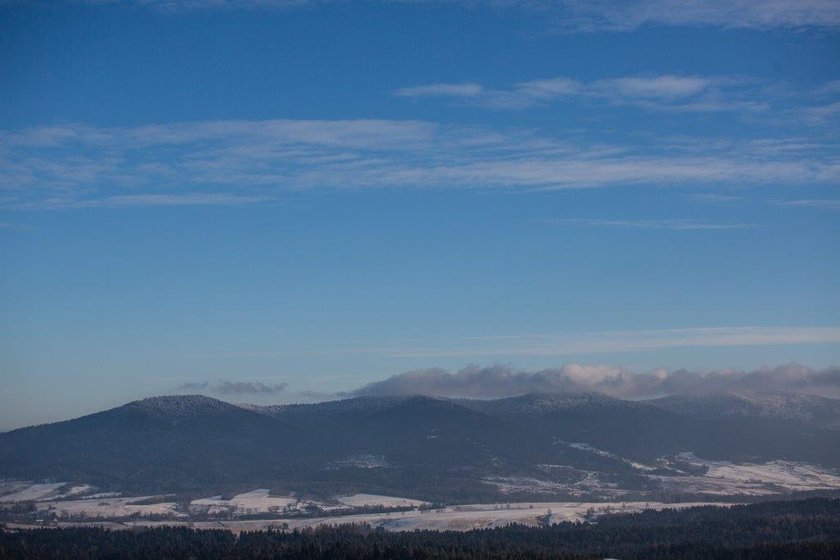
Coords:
176,442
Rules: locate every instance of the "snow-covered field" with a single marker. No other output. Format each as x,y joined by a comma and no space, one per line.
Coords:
360,462
588,448
373,500
722,478
774,477
79,490
107,508
261,501
526,484
72,502
588,484
461,518
249,503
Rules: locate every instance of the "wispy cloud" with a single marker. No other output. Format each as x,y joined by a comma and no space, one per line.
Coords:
247,162
234,387
822,113
587,343
715,197
443,90
666,92
145,200
678,225
7,226
591,15
522,95
188,5
829,204
620,15
502,381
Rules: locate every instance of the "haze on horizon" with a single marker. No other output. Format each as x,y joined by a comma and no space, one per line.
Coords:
272,201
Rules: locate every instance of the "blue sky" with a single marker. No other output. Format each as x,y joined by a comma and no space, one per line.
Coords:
317,195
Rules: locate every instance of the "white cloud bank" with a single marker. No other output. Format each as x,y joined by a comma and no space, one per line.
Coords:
502,381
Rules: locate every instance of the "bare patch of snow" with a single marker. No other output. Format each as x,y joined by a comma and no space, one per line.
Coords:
524,484
601,452
373,500
360,462
588,483
33,492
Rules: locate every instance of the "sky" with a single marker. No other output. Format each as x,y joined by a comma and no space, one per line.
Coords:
272,200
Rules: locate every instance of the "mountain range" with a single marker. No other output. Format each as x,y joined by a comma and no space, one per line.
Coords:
437,448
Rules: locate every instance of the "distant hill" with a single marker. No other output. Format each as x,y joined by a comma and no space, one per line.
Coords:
156,443
810,409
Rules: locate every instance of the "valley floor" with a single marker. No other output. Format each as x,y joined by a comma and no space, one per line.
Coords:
452,518
702,482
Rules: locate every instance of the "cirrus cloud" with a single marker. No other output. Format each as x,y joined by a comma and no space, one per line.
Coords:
620,15
663,92
588,15
247,162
